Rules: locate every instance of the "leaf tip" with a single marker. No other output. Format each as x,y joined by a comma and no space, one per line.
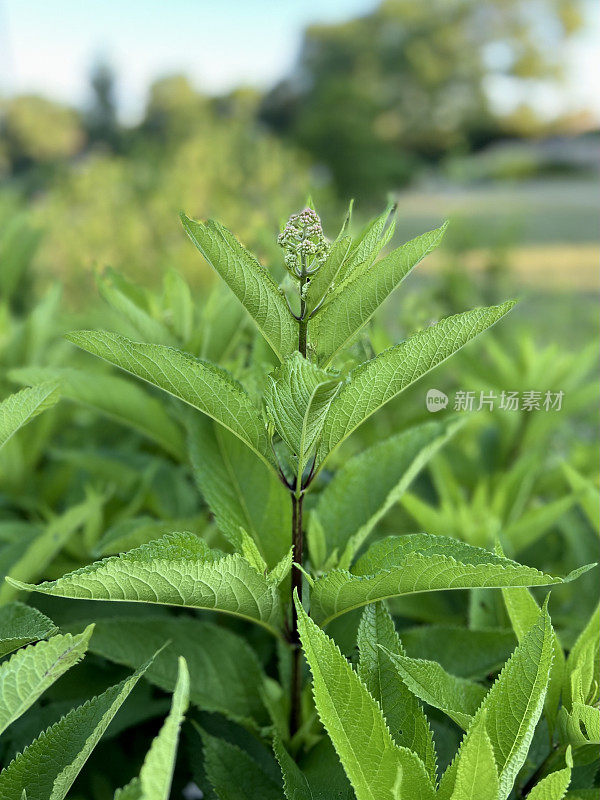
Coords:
25,587
577,573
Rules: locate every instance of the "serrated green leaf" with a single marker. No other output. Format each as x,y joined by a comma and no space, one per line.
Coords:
156,774
328,273
403,713
297,399
365,248
476,774
28,673
203,385
240,490
249,281
234,775
399,565
369,484
18,409
224,671
375,765
523,612
513,707
461,651
579,725
282,569
374,383
21,625
355,302
130,792
582,671
319,777
456,697
115,397
251,553
130,532
295,782
555,785
47,768
180,570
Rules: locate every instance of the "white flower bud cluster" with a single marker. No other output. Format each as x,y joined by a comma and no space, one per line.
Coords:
303,241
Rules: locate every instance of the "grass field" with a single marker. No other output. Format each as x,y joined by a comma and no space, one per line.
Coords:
545,231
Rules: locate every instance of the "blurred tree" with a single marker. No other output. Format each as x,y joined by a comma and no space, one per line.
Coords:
101,119
174,109
36,131
409,82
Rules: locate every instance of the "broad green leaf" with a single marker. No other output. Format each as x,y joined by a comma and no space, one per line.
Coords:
156,774
28,557
555,785
234,775
224,671
129,792
476,774
240,490
47,768
282,569
524,611
19,408
319,777
370,242
131,532
513,707
399,565
375,765
251,553
403,713
115,397
249,281
297,400
374,383
580,725
582,671
29,672
179,570
461,651
201,384
367,485
363,292
21,625
295,782
456,697
325,279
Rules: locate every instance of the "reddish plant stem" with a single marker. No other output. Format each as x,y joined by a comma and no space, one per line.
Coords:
297,545
296,678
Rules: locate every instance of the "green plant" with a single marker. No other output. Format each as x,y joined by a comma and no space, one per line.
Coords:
261,452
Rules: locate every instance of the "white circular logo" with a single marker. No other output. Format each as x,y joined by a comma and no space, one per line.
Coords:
436,400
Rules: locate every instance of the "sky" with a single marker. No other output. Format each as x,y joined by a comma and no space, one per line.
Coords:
49,46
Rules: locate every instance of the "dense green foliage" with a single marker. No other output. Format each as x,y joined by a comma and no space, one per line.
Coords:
244,501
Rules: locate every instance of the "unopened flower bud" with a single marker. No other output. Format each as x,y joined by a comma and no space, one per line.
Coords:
303,242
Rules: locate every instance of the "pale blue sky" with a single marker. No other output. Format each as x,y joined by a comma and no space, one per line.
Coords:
48,46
